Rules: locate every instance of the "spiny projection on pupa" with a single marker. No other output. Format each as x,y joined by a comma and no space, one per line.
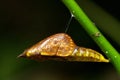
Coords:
61,47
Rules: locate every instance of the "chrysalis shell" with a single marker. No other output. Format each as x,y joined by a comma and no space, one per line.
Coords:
61,47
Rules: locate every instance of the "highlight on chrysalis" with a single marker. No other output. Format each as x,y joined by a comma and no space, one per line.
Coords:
62,48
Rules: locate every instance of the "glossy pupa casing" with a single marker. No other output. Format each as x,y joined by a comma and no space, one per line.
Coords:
61,47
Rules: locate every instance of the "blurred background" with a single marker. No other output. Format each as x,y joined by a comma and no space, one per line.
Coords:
25,22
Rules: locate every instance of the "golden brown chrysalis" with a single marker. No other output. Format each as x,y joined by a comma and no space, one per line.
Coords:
61,47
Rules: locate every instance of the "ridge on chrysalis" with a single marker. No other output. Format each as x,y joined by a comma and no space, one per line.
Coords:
61,47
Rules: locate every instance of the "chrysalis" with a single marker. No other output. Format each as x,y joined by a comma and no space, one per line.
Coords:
61,47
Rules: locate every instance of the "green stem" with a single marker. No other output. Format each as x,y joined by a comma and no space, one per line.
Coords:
92,30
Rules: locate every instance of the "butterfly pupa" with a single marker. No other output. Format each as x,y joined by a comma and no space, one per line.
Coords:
61,47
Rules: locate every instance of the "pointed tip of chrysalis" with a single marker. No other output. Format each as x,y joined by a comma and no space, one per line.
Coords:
22,55
105,60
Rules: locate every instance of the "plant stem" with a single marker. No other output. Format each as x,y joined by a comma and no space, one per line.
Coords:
92,30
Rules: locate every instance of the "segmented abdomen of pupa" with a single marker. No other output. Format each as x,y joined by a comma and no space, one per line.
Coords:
86,55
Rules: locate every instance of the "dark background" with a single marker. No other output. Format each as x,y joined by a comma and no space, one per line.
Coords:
25,22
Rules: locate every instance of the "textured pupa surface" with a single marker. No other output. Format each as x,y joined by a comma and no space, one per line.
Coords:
61,47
